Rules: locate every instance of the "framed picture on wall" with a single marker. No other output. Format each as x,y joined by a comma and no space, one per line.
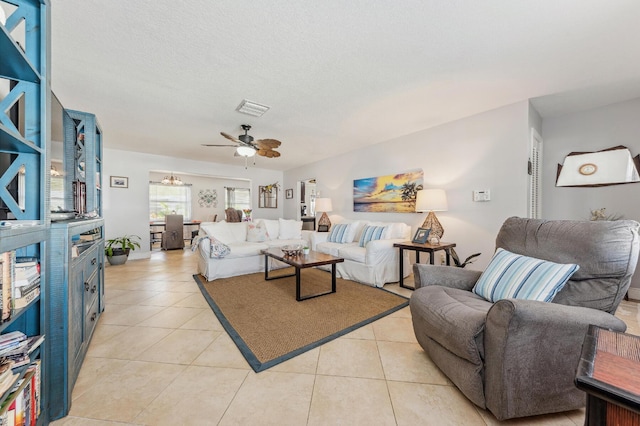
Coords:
288,193
119,182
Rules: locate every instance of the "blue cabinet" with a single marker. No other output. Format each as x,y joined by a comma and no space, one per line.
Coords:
76,289
24,162
82,162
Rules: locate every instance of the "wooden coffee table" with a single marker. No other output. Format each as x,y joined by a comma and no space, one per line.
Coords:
300,262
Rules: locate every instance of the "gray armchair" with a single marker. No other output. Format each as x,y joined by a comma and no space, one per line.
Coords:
518,357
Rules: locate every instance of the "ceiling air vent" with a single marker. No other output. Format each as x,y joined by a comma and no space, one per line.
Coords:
252,108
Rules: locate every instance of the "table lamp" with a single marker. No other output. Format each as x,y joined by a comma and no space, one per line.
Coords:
324,205
432,200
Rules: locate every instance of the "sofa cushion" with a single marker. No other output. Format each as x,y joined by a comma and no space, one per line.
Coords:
245,249
514,276
371,233
257,232
290,229
452,317
331,248
353,252
340,233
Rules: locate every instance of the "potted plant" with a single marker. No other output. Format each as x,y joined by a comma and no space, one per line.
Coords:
467,261
117,249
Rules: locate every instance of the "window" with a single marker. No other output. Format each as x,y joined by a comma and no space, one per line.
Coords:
169,199
237,198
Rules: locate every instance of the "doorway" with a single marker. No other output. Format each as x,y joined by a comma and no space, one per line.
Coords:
307,203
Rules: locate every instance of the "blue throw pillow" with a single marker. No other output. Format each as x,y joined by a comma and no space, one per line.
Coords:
339,234
370,233
514,276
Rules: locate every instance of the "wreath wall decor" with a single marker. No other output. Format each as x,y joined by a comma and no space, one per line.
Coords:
208,198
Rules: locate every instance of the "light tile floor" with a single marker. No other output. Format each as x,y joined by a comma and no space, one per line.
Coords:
160,357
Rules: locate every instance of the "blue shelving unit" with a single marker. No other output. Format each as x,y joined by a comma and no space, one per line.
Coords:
24,147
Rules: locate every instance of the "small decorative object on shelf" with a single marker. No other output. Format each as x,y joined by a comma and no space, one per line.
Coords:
421,235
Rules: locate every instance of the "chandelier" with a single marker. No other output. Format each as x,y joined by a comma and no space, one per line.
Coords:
172,180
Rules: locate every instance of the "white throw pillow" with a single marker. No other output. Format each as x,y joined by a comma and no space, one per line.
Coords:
290,229
222,233
514,276
257,232
273,228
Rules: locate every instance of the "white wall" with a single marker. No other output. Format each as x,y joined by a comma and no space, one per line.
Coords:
126,210
485,151
591,130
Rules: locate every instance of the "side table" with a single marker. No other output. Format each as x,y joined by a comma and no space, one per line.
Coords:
418,248
608,373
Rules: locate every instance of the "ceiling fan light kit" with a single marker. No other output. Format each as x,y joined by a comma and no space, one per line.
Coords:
246,151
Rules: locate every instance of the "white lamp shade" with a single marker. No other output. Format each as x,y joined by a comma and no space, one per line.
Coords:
246,151
431,200
323,205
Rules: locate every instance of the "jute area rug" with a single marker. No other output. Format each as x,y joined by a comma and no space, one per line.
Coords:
269,326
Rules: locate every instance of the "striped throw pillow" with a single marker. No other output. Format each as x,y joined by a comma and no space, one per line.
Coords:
514,276
370,233
339,234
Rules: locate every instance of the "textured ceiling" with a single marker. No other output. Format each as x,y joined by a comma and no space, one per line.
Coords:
166,76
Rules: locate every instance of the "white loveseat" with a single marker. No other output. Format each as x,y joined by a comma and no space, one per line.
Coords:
244,241
375,263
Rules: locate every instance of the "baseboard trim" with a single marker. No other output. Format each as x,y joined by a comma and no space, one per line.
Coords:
634,293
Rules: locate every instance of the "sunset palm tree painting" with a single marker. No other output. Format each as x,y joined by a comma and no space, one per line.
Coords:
391,193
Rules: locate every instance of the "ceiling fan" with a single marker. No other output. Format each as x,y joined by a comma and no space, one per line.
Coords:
247,147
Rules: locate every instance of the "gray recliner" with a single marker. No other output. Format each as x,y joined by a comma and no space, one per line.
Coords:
518,357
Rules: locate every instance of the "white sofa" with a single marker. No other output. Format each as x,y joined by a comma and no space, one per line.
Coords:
374,264
244,256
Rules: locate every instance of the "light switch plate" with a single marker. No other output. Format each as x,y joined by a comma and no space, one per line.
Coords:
482,195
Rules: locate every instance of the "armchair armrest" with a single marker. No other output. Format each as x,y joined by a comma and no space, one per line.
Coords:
446,276
532,350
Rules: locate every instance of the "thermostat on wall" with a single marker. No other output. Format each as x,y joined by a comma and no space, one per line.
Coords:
482,195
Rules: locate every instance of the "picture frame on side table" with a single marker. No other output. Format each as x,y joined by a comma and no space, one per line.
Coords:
119,182
421,236
288,194
323,228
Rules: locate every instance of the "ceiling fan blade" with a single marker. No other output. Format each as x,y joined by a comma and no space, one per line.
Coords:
231,138
269,153
268,143
211,144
